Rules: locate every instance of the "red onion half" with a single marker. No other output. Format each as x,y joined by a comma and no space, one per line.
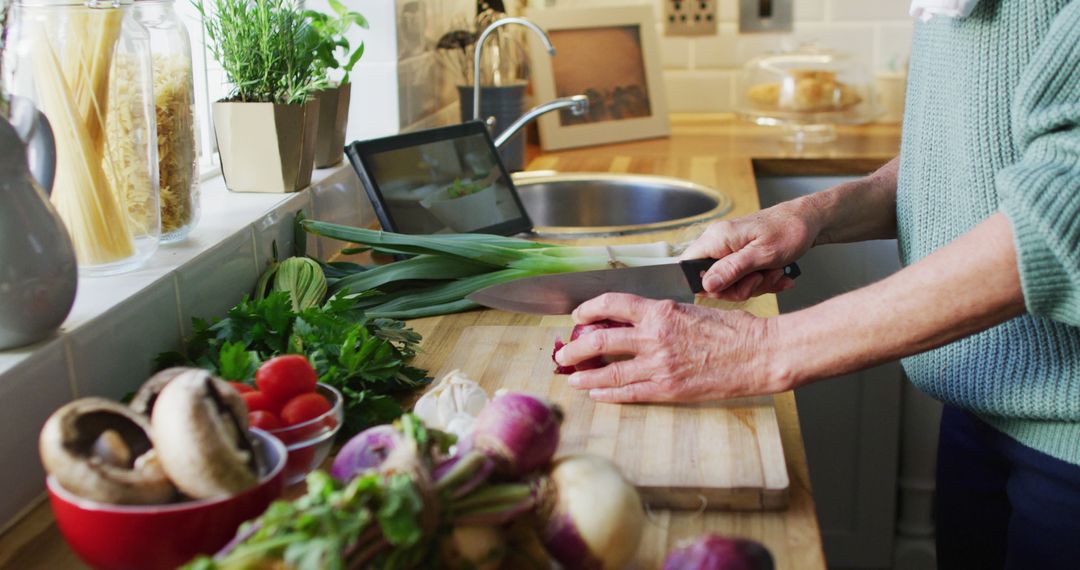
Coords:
578,332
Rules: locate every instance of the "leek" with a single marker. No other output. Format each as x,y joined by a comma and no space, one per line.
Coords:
447,268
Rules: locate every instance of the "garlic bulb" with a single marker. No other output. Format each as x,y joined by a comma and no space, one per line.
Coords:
452,404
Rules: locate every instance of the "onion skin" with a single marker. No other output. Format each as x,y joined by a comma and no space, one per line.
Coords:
593,518
519,431
578,332
366,450
713,552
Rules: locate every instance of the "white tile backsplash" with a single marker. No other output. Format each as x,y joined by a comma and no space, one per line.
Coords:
220,279
114,353
893,49
717,51
702,91
868,10
675,52
809,10
877,33
29,392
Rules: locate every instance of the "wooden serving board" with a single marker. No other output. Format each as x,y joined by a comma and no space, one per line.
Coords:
716,455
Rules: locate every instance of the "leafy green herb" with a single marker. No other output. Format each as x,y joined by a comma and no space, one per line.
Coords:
331,32
267,48
365,358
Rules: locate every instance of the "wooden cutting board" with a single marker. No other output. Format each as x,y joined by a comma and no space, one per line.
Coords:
717,455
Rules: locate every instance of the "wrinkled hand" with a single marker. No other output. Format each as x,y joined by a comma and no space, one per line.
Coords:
753,250
680,353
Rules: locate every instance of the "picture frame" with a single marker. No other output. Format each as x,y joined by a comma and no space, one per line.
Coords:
611,54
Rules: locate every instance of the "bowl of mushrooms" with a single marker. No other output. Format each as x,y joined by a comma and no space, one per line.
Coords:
157,482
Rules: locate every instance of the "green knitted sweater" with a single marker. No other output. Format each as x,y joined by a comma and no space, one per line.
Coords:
993,124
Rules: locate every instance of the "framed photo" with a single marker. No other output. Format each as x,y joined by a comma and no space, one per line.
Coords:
610,54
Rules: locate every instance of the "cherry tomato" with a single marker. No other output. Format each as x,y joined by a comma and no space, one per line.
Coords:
258,401
303,408
241,387
283,377
263,419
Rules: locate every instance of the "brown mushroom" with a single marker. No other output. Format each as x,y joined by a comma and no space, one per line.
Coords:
101,450
202,440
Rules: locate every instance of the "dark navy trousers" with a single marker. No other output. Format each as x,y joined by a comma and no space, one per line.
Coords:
1001,504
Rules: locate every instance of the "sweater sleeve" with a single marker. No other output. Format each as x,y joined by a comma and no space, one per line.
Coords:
1040,193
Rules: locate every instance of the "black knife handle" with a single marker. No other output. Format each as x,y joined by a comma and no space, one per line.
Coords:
693,269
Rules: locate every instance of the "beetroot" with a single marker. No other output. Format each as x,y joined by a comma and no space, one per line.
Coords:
713,552
579,331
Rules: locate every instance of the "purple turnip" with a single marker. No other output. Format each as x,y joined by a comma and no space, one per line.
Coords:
593,518
366,450
712,552
519,431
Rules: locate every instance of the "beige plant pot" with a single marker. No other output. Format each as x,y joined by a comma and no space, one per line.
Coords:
266,147
333,118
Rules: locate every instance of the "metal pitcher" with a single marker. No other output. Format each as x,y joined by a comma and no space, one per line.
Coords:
38,274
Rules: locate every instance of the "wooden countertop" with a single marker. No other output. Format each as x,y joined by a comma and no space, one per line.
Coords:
714,150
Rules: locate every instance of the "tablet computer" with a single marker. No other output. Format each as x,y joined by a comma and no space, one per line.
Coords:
442,180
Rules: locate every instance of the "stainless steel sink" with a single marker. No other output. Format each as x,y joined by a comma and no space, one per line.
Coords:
603,204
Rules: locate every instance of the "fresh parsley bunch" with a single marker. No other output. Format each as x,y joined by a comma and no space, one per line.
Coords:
364,358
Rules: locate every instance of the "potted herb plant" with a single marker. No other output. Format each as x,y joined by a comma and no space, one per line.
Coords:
266,129
331,31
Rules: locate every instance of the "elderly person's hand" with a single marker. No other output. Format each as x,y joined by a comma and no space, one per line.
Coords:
752,250
680,353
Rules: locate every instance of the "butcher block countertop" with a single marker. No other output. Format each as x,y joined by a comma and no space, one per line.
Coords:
713,150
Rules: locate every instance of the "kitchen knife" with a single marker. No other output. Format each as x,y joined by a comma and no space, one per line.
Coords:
561,293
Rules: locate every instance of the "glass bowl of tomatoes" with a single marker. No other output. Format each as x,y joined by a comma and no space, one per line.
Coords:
308,442
289,402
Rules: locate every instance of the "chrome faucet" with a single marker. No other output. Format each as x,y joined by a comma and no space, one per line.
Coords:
480,51
578,104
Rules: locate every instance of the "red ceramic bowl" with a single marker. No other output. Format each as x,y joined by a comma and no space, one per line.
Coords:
309,442
149,537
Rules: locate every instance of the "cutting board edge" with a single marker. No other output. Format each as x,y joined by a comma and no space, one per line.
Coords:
731,499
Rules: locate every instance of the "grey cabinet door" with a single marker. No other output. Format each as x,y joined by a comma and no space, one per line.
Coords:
851,424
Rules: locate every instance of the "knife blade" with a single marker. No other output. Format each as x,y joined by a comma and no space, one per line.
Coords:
561,293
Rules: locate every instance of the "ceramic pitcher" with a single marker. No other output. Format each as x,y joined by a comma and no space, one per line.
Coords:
38,274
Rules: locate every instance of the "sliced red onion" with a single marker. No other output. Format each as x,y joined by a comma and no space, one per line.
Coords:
713,552
366,450
578,332
519,431
593,518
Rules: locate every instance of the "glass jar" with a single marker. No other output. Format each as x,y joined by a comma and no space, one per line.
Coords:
86,66
174,103
807,90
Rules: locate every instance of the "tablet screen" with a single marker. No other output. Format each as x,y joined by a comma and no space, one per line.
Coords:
446,180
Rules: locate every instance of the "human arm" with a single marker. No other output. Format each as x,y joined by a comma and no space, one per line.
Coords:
752,249
689,353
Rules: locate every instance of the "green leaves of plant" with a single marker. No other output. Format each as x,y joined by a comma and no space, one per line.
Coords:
366,359
331,32
267,48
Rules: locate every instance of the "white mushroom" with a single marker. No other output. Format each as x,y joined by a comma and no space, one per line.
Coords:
202,441
101,450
